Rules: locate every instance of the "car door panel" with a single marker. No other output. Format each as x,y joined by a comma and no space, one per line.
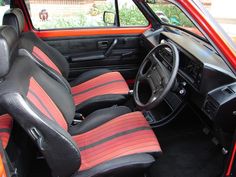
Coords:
88,53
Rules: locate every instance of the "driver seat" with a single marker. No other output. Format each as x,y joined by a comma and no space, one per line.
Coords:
111,141
92,90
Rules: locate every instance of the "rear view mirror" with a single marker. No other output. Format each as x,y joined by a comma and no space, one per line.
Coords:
109,18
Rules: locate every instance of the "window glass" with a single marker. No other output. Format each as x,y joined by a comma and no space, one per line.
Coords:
54,14
130,15
224,13
51,14
4,6
170,14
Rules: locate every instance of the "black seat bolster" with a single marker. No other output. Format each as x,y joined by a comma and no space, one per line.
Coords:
98,118
137,163
46,134
100,102
88,75
8,44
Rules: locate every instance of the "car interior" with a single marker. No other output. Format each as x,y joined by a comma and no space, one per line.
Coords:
155,104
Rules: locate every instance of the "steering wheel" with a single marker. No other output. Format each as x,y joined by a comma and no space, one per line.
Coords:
154,80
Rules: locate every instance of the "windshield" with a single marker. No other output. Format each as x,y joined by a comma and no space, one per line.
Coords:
170,14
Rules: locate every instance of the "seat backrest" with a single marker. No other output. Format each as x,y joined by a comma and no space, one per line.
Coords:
41,105
33,44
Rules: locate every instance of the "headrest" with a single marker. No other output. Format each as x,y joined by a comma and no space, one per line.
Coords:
8,44
14,17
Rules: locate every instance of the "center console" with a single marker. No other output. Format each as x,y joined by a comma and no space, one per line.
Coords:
220,107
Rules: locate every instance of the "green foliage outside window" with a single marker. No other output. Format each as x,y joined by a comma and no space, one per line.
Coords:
173,13
129,16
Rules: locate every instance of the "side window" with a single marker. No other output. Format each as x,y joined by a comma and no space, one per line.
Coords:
130,15
171,14
52,14
4,6
56,14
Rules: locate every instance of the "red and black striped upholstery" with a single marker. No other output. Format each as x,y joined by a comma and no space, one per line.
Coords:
109,83
40,55
37,95
125,135
109,141
91,91
6,123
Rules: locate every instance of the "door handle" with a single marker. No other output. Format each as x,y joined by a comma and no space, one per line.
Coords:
112,46
103,44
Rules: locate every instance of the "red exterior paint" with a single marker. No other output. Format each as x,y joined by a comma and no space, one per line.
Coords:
90,32
215,36
232,159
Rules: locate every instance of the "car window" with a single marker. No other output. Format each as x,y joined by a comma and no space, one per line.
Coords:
169,13
56,14
4,6
51,14
224,14
130,15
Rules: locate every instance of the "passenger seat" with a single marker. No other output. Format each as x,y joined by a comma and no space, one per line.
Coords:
92,90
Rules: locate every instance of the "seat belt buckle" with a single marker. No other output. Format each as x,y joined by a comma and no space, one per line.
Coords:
79,116
78,119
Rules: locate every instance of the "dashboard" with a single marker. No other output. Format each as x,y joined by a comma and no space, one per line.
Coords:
191,69
211,83
200,66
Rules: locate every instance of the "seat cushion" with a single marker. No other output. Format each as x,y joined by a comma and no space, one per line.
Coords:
87,76
130,165
97,118
109,87
128,134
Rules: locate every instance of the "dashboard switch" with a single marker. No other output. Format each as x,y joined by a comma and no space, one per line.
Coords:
182,91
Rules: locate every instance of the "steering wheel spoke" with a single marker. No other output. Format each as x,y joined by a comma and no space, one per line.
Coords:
157,76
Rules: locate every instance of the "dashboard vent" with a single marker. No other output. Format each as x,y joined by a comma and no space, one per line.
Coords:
228,91
211,107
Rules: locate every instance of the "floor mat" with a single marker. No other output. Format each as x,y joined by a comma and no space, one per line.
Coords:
187,151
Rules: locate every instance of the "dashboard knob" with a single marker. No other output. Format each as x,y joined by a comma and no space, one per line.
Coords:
184,84
182,91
